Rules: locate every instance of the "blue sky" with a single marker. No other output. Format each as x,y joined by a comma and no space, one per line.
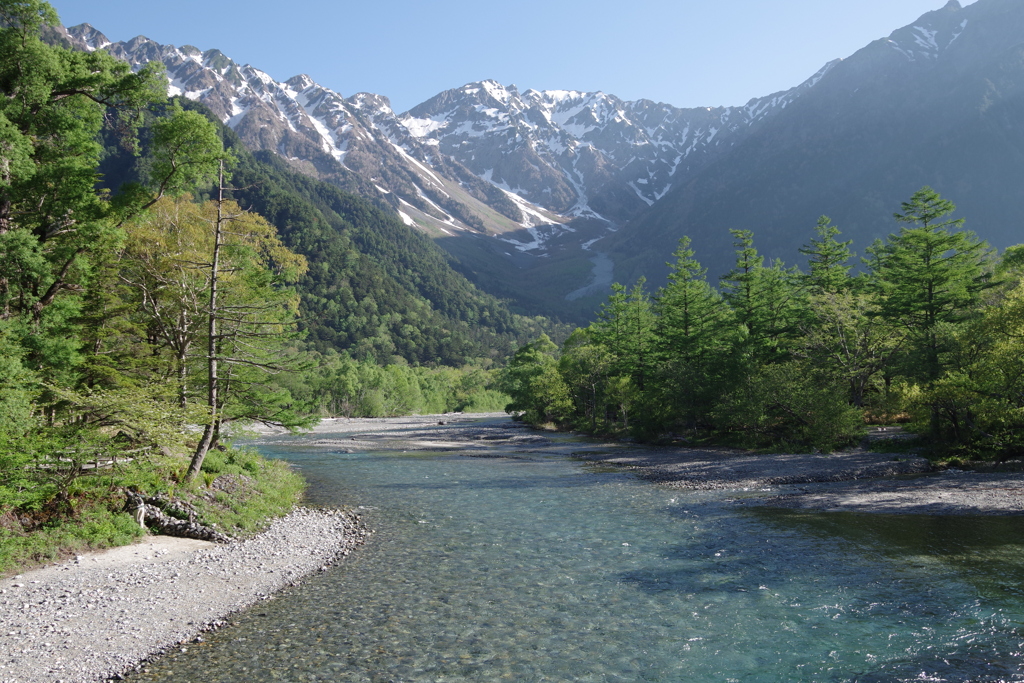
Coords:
683,52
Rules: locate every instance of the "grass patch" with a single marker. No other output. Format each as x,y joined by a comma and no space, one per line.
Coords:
242,491
238,490
95,527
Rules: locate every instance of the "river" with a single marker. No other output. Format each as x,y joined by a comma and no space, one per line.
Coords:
528,565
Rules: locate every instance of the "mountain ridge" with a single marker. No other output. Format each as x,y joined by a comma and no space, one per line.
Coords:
932,104
537,192
570,149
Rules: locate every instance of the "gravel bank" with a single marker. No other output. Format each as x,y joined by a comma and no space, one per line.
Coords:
711,469
469,434
857,480
854,481
97,617
948,493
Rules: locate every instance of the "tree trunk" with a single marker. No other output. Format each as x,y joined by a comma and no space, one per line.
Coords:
212,428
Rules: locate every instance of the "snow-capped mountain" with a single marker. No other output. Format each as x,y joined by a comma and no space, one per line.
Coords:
356,142
584,154
584,188
929,41
483,157
938,102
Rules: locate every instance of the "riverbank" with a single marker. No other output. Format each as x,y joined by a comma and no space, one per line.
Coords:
857,480
518,563
105,613
852,481
102,614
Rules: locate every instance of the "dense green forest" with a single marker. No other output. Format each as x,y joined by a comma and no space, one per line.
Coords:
929,332
159,283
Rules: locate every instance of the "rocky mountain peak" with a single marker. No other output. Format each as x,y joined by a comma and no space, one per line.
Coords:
377,104
300,82
87,37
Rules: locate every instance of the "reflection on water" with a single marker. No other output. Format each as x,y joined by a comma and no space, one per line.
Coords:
540,569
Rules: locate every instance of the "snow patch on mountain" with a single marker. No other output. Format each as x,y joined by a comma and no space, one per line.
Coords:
583,143
958,32
928,40
406,218
554,155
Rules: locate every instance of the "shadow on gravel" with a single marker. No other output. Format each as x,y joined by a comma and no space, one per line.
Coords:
942,535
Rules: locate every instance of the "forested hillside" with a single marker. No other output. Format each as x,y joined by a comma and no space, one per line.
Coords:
375,287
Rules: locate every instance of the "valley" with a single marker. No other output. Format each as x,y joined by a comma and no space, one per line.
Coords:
517,184
623,390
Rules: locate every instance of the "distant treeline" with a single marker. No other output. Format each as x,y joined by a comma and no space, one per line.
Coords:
930,332
339,386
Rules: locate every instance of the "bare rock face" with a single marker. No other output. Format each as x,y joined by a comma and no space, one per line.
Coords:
455,160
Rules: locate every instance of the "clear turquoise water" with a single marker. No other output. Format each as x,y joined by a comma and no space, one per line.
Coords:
534,568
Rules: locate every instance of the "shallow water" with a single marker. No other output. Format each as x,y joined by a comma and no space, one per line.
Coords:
540,568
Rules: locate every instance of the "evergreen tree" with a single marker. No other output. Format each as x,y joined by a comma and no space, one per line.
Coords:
625,327
693,334
929,274
828,260
765,301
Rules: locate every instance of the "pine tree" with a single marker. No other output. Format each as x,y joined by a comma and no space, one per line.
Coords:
694,331
929,274
828,260
625,326
764,300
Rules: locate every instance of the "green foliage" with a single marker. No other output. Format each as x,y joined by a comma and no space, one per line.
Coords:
1012,260
336,385
97,527
261,489
39,532
828,260
16,397
788,404
926,275
585,367
764,301
625,326
931,334
978,404
534,384
187,151
54,104
695,333
100,317
845,338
